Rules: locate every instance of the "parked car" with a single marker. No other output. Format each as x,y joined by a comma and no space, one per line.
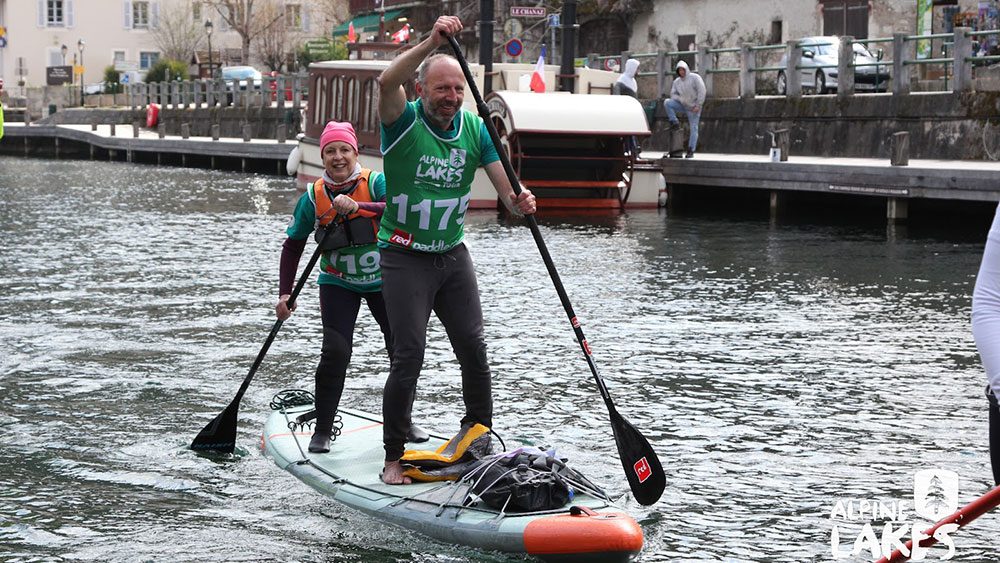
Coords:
818,77
249,79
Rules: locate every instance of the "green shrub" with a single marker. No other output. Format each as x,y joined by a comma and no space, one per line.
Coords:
111,81
158,72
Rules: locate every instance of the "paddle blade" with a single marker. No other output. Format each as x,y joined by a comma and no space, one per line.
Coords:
642,467
220,434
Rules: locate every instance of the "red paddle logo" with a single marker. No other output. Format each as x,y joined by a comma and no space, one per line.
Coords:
401,238
642,470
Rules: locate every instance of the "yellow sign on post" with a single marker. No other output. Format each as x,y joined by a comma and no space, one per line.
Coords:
77,70
3,31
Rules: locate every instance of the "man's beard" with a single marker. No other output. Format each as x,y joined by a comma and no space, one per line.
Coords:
439,119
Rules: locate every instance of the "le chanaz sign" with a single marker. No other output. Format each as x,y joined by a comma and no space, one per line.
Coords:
527,12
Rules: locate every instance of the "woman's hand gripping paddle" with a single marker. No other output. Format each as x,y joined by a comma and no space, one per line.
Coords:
642,467
220,434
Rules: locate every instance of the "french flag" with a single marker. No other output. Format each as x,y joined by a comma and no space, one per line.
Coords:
538,76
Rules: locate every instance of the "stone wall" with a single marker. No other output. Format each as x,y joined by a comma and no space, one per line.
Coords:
941,125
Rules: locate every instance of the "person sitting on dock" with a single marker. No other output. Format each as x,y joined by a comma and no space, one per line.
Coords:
687,95
986,331
348,274
432,148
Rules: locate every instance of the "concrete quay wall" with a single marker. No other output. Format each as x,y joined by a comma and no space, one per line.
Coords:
942,125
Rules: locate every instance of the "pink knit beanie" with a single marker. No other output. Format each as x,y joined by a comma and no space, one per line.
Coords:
338,131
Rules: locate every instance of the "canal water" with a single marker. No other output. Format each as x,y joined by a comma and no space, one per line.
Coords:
787,374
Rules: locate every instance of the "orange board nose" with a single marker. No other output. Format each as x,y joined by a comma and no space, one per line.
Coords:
584,533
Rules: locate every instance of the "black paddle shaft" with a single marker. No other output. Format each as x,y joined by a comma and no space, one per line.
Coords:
220,434
642,467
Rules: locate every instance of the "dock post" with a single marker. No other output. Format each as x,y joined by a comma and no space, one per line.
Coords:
900,72
282,132
161,129
897,209
793,78
748,76
185,130
136,125
845,68
93,124
280,90
900,149
57,146
776,204
112,129
247,132
215,131
962,71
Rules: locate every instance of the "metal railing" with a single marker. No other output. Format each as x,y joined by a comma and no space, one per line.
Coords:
282,91
893,74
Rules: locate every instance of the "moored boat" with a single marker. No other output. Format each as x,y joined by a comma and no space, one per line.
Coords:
570,149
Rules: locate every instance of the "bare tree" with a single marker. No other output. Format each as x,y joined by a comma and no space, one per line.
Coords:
177,36
332,12
241,17
272,41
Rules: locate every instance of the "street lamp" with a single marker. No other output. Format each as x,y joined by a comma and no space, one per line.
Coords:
79,46
64,50
208,31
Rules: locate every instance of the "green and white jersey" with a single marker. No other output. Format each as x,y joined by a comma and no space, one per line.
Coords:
357,268
429,175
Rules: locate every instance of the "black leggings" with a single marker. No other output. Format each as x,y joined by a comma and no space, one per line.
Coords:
994,435
339,307
414,284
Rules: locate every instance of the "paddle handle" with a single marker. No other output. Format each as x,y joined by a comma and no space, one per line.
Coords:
515,183
962,517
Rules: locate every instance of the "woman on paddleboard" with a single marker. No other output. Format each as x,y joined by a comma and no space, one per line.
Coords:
345,206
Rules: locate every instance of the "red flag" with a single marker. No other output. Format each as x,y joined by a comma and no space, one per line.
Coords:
351,36
538,76
402,35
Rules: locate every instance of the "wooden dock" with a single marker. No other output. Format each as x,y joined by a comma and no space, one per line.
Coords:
955,180
145,146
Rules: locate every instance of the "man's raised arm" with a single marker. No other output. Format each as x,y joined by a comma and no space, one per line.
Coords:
392,99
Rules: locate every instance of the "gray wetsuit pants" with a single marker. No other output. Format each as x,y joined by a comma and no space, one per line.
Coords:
414,284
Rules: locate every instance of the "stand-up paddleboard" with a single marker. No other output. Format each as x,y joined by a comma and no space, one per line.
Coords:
588,529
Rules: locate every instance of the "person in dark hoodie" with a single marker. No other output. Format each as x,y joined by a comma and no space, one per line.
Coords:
687,95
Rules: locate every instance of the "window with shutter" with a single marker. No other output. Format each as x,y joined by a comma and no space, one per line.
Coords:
140,14
54,14
293,16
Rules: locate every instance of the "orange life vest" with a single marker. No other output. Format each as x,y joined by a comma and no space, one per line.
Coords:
324,203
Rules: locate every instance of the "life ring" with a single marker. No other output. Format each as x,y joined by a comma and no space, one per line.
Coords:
152,115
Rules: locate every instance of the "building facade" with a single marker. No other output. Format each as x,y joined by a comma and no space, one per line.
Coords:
134,34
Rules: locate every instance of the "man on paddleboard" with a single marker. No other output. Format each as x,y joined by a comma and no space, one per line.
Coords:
432,148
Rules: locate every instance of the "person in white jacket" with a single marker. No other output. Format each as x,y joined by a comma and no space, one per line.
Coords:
986,331
687,95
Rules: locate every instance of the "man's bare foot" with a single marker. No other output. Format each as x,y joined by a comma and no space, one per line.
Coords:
392,474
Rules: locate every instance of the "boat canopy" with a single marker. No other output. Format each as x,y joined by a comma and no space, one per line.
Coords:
565,113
